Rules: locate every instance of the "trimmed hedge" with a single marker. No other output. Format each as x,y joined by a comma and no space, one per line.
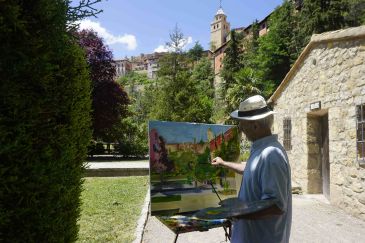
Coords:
44,123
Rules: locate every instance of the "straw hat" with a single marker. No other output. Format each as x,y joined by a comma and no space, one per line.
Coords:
253,108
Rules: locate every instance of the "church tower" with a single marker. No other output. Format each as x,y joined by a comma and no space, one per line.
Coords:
219,30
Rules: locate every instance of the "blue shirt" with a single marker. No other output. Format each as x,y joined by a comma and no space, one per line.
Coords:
266,176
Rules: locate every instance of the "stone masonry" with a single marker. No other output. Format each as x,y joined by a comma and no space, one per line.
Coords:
331,70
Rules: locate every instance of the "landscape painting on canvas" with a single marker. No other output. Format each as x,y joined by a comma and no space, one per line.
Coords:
182,177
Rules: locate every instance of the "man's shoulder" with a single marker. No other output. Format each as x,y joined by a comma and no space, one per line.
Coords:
274,152
273,148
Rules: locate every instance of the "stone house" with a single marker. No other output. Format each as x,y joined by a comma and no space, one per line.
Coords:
320,118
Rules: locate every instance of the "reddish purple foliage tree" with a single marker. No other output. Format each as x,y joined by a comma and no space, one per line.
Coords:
110,101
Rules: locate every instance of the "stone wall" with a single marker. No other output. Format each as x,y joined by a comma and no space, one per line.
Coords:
331,70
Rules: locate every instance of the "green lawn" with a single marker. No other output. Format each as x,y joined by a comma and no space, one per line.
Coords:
111,208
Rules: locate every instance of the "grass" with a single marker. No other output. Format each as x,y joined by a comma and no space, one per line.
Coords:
111,208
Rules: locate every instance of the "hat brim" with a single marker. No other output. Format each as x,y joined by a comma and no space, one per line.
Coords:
234,115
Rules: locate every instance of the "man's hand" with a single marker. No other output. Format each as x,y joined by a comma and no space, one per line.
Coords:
218,161
237,167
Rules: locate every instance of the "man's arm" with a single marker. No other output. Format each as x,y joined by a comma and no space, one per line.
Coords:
237,167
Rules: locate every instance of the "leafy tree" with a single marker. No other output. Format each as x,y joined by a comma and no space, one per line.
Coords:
318,16
131,137
110,101
134,78
356,13
279,48
178,96
203,76
250,46
232,61
132,82
44,122
245,85
196,52
182,100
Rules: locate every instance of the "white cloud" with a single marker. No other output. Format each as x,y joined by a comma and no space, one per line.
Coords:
129,41
183,44
189,40
161,48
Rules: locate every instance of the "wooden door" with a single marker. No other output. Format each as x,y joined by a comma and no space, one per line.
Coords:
325,157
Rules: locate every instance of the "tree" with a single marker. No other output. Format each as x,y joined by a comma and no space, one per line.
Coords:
318,16
131,132
178,96
250,46
232,61
203,76
196,52
356,13
279,48
110,101
182,100
245,85
44,122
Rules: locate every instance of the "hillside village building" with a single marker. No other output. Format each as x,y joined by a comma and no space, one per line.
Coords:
320,118
122,67
220,30
143,64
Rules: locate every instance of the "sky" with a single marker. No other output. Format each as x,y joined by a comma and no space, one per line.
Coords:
132,27
183,132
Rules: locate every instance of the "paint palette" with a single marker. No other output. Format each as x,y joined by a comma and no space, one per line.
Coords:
233,208
184,224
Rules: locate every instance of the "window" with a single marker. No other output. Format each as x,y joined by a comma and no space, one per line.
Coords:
360,133
287,133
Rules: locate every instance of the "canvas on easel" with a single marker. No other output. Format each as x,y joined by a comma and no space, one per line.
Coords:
182,179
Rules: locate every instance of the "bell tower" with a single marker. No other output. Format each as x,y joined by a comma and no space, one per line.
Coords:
219,29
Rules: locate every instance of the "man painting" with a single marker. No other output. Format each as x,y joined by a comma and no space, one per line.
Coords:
266,175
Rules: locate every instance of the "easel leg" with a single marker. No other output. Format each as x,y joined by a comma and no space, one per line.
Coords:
176,235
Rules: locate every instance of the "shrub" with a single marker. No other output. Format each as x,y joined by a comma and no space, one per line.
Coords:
44,122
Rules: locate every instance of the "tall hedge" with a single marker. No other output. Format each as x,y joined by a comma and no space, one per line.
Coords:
44,122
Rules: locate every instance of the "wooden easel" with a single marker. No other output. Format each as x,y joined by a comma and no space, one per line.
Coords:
226,232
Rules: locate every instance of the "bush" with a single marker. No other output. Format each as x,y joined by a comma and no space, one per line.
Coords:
95,148
44,123
132,139
99,148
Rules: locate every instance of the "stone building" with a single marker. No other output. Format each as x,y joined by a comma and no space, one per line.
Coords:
122,67
146,64
220,37
219,29
320,118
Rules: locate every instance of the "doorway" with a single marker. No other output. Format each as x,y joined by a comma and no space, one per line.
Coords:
325,157
318,167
